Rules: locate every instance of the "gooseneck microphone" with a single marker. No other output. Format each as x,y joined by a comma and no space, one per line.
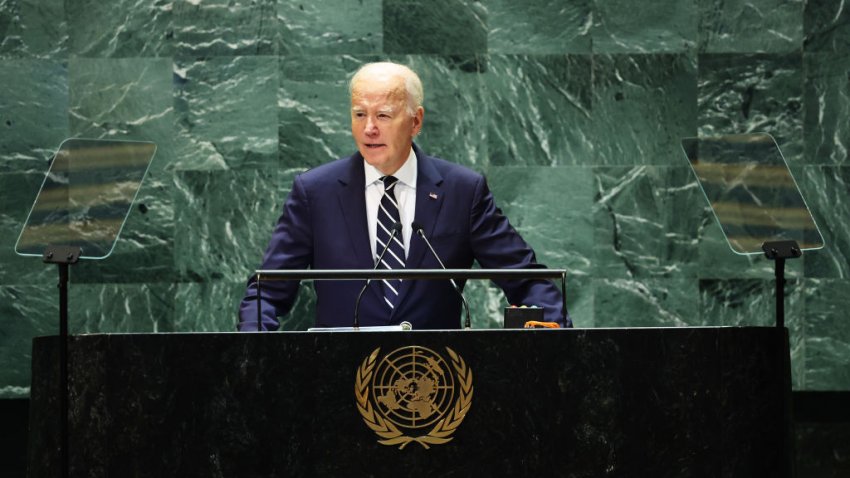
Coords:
418,229
394,231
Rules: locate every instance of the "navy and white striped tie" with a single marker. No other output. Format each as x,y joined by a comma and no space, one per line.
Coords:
388,216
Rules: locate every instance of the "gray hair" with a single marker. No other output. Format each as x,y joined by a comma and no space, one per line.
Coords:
412,83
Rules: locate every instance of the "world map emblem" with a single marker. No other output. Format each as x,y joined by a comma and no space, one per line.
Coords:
413,394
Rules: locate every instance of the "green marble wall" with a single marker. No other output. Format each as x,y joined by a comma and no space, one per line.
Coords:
574,110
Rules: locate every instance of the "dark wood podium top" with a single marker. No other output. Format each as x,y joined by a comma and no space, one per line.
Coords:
581,402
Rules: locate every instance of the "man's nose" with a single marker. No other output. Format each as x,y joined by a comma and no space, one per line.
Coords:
371,128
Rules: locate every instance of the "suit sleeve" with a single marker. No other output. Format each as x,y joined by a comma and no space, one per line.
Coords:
291,247
497,245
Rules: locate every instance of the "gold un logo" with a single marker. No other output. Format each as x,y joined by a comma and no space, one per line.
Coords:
413,395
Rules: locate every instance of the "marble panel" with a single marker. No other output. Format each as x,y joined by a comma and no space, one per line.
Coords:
226,112
644,224
539,26
124,29
797,351
19,192
33,29
456,107
210,306
643,105
752,302
213,306
750,26
672,302
827,334
826,24
486,304
718,261
224,220
753,94
445,27
26,311
619,26
314,123
826,191
550,208
581,299
131,99
123,98
121,308
33,113
330,27
203,29
540,110
827,107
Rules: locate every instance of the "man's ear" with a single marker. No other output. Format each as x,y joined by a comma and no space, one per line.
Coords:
417,120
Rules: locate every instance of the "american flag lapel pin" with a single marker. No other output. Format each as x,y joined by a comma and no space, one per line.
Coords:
432,195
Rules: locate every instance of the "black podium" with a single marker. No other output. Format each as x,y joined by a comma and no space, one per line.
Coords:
682,402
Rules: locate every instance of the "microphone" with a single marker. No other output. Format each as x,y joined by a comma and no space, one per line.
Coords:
418,229
395,230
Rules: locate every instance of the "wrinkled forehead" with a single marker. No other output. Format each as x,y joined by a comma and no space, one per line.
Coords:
373,91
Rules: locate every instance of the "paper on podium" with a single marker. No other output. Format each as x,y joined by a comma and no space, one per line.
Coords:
404,326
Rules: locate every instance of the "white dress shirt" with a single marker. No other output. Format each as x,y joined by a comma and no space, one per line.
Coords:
405,195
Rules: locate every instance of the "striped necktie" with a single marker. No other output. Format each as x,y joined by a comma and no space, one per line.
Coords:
388,215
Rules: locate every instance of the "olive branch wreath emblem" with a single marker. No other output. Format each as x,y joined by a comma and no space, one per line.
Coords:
388,431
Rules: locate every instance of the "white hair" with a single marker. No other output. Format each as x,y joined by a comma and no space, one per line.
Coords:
412,83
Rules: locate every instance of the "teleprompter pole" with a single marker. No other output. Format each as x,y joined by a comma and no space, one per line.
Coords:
63,257
778,251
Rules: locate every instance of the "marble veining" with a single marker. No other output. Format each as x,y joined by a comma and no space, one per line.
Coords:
573,110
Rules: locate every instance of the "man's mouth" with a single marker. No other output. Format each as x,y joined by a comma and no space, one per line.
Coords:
373,145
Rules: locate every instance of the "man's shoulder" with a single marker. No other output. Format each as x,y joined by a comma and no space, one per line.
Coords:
328,172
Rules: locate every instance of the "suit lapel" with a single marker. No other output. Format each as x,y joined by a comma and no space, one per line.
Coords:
429,201
352,202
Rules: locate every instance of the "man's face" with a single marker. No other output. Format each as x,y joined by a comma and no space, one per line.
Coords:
380,123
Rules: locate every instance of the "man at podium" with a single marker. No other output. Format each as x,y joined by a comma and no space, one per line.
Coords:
379,203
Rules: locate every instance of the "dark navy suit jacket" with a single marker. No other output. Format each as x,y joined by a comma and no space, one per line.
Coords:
323,226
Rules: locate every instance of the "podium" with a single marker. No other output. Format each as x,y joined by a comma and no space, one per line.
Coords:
584,402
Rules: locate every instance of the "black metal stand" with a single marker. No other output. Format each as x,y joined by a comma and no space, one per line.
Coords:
778,251
63,256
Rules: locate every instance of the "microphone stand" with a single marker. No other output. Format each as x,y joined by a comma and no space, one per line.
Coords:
396,230
259,304
418,228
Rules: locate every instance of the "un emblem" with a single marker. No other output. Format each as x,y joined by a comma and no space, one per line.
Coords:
413,395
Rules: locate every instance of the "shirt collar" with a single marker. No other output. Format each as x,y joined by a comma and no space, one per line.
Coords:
406,174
